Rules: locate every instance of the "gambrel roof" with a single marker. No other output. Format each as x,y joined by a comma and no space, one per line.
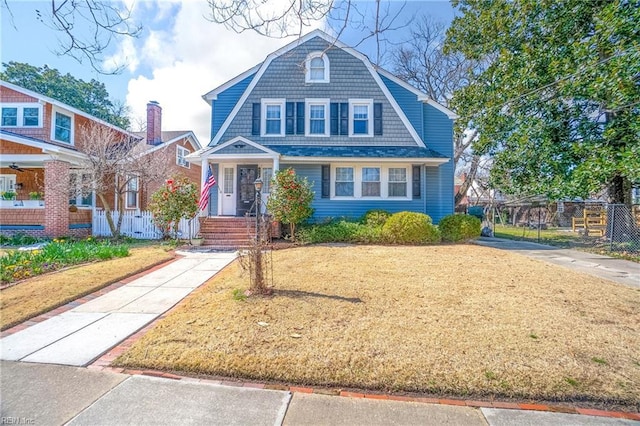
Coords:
257,72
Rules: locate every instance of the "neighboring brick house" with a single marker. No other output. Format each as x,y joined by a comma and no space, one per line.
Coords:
173,146
42,145
364,138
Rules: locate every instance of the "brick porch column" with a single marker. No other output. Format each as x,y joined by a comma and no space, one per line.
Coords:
56,198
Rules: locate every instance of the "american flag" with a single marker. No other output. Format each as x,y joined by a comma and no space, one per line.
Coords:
204,195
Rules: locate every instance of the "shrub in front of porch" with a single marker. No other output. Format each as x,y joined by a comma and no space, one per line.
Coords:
290,199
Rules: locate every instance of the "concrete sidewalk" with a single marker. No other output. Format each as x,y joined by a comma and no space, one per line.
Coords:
55,395
618,270
81,335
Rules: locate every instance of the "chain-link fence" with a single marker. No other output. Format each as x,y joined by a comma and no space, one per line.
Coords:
612,227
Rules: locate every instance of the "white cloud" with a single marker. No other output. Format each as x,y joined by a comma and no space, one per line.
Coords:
188,59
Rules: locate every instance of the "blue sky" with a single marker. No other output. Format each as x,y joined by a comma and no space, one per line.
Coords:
178,57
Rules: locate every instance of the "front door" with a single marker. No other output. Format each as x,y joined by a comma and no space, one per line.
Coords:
247,175
228,194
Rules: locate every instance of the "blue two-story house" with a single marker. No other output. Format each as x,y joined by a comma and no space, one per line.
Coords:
364,138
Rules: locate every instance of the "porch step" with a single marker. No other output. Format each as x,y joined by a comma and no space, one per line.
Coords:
227,232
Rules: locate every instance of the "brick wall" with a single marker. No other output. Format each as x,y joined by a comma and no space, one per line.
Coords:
28,221
55,198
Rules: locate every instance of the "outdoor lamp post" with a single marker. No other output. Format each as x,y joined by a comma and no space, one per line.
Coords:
258,186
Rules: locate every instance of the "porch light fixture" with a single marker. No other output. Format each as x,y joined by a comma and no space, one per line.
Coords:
258,185
18,186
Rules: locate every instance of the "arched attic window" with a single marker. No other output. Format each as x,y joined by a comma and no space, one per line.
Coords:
317,68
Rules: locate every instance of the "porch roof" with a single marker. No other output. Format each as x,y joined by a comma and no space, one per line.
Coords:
327,151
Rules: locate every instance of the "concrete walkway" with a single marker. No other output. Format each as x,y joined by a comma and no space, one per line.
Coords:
55,395
81,335
618,270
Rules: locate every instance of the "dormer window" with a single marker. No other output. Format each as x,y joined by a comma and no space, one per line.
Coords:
317,68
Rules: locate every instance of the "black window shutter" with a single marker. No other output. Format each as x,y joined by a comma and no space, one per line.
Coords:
344,118
334,118
290,118
416,188
377,119
300,118
255,119
326,181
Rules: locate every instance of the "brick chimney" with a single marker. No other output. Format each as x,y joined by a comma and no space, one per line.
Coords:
154,123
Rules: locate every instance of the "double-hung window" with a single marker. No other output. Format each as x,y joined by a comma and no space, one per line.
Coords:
361,123
182,152
62,130
131,199
21,115
317,117
9,116
370,181
273,117
344,182
397,182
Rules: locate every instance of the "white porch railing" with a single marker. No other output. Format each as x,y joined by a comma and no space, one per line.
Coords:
139,225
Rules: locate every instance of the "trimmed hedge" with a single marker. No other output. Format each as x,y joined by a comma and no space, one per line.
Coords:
459,227
376,217
410,228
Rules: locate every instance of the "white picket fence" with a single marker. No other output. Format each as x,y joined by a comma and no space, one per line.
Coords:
139,225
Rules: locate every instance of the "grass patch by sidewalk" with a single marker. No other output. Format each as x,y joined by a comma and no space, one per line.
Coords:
41,294
459,320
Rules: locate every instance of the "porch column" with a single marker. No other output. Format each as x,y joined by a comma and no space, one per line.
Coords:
56,198
276,164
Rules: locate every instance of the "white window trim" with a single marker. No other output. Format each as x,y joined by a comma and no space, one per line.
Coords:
263,116
20,118
307,118
384,181
359,102
307,67
126,194
186,164
55,109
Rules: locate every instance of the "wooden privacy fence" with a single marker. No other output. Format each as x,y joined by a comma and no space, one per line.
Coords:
139,225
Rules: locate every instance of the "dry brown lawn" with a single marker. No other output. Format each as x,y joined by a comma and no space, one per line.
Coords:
449,320
40,294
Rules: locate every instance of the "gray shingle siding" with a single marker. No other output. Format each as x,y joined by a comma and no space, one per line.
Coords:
349,78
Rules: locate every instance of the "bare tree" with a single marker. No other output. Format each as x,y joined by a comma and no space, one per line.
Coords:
114,162
87,28
422,63
291,17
